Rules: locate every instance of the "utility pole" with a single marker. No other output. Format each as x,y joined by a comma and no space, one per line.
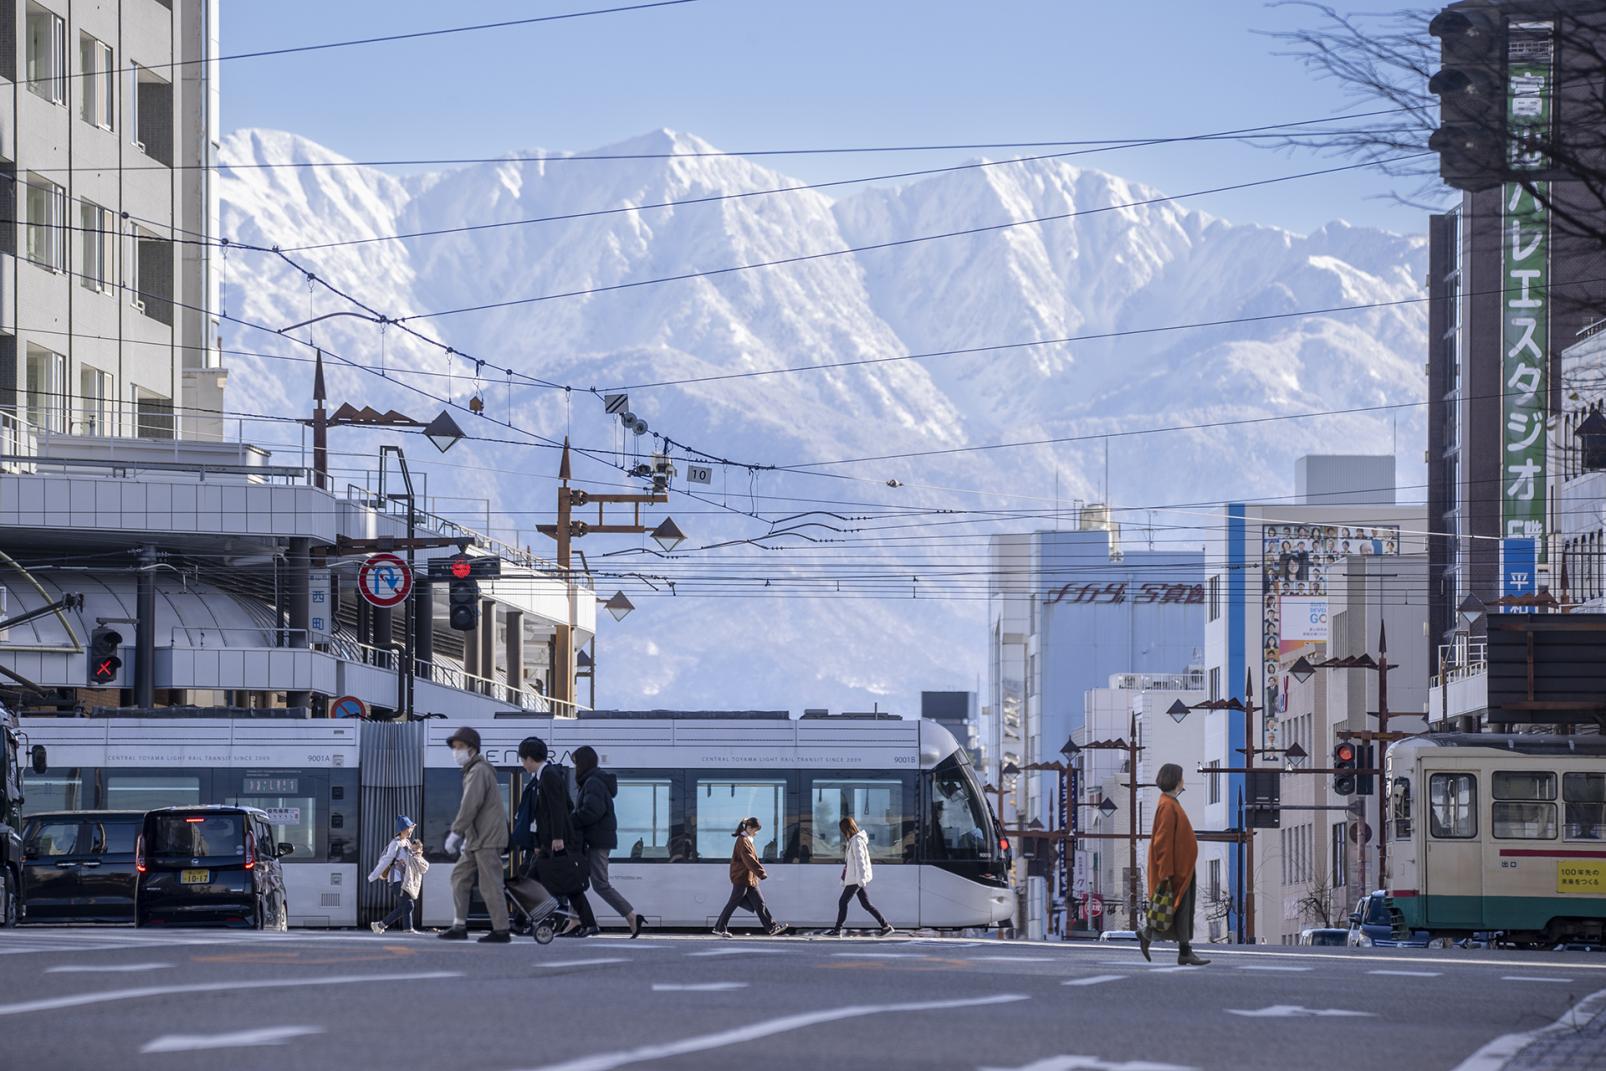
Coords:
1379,784
1250,745
1132,821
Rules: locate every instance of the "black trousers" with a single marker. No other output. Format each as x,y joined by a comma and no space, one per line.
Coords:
402,912
864,902
747,896
1183,923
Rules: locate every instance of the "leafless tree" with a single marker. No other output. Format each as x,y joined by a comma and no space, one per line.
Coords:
1386,60
1319,903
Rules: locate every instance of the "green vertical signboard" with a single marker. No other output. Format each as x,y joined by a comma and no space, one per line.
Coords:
1525,274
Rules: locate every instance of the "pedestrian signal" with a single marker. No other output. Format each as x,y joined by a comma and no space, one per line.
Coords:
104,663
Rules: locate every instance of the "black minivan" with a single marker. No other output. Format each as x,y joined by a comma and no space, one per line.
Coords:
210,866
78,866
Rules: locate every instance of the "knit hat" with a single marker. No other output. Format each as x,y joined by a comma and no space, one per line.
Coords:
403,823
465,736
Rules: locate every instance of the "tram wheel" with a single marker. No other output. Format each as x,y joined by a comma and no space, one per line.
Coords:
542,933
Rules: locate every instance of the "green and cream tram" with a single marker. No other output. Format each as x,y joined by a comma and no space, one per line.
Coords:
1495,832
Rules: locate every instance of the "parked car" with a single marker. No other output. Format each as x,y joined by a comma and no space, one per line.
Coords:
1372,925
78,866
1322,936
217,866
1578,946
1119,935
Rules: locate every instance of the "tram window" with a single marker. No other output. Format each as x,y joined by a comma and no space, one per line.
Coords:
294,820
1521,810
721,802
876,804
955,825
1401,800
1584,799
642,809
443,791
1453,805
148,791
56,790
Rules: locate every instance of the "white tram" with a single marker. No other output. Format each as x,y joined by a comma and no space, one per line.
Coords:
1494,832
334,788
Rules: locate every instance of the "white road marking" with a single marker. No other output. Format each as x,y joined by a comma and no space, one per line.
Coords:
696,987
79,1000
606,1061
1267,967
1089,1063
240,1039
878,955
1497,1054
735,951
109,968
581,962
1095,979
1294,1011
1012,959
1409,974
1530,978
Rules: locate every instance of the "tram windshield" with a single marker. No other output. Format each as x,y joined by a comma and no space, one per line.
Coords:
958,826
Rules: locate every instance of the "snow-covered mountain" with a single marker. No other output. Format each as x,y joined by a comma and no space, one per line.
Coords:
1108,270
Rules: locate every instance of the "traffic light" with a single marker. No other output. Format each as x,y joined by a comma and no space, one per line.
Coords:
1471,87
1365,785
463,598
1344,756
104,643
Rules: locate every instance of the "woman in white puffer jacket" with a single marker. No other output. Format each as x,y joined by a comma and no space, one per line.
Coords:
856,874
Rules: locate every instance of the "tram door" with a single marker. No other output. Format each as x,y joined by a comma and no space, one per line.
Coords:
1452,870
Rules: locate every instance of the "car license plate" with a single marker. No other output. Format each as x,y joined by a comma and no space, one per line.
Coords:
195,877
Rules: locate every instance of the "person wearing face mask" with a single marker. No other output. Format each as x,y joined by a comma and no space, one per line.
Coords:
480,831
1173,853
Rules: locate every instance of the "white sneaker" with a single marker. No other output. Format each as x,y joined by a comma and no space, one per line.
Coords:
377,927
722,933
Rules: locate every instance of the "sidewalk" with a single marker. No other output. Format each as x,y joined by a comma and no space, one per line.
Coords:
1575,1042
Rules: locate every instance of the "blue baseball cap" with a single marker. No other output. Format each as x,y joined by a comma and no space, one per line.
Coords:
403,823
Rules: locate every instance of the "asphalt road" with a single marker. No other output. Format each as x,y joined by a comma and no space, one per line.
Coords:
84,998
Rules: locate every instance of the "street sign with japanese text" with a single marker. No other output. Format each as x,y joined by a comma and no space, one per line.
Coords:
321,601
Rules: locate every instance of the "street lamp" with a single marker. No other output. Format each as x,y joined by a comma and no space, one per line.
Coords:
1471,609
1178,710
1106,806
668,535
1296,755
443,432
619,606
1070,750
1302,670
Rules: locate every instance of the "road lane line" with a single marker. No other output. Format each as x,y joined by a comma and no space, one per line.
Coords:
878,955
1096,979
736,952
1530,978
1497,1054
1268,967
696,987
109,968
1012,959
1409,974
239,1039
79,1000
582,962
606,1061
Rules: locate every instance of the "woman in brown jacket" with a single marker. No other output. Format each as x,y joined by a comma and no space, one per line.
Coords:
1173,853
746,873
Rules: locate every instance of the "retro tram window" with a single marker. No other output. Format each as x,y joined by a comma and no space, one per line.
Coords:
1453,806
1584,801
1524,807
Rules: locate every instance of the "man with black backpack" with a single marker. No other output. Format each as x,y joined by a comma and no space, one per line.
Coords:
595,818
544,828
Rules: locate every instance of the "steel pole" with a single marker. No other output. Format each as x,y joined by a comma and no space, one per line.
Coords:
1380,783
1249,825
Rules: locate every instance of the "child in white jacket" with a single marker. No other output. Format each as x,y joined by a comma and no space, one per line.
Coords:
402,863
856,874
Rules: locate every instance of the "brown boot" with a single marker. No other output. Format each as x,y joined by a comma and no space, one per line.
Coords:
1188,959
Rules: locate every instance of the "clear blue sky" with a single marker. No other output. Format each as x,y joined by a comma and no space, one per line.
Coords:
756,74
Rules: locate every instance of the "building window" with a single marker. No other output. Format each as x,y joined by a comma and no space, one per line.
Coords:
95,394
46,223
1215,682
98,74
150,270
1214,780
152,114
99,247
1340,853
47,389
1213,597
47,54
153,415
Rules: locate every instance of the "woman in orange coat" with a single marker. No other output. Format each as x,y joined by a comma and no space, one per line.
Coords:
1173,853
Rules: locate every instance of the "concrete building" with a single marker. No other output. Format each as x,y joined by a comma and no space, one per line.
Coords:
1273,571
1155,710
231,584
108,133
1068,609
1578,476
956,712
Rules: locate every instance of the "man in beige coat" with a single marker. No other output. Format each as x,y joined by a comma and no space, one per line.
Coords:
480,830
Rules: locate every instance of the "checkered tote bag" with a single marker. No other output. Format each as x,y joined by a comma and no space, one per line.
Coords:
1162,909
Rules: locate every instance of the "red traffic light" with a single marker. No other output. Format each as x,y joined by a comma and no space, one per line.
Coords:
462,569
106,669
1344,753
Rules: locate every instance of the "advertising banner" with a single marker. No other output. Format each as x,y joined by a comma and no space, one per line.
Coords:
1519,570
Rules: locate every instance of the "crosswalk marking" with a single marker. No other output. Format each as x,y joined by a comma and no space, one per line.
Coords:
1409,974
1096,979
1530,978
